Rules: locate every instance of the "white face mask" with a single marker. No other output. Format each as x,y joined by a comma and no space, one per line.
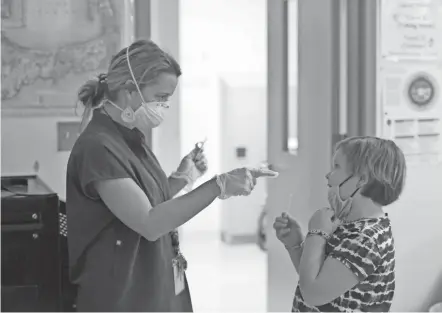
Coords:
341,207
149,115
153,111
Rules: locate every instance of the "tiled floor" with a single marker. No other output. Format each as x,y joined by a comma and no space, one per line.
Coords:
225,278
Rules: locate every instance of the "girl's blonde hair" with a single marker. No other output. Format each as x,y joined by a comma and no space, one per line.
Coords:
381,161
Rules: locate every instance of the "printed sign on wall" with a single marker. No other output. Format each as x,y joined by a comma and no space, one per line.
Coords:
411,29
412,110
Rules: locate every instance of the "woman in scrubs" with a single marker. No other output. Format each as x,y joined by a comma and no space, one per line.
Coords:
122,215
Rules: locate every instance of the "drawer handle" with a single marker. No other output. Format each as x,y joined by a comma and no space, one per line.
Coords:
35,235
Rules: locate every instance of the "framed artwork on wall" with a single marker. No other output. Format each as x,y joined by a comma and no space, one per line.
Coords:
51,47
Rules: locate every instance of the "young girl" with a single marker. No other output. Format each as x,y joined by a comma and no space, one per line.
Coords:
346,262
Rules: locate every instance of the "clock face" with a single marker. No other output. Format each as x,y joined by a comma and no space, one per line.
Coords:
421,91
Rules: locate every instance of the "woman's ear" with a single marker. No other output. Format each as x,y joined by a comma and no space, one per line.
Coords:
128,88
128,96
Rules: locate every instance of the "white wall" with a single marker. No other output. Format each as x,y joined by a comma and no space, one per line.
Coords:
200,105
416,221
223,40
228,36
223,36
25,140
244,124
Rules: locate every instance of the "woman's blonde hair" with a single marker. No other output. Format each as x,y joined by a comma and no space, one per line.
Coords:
381,161
147,61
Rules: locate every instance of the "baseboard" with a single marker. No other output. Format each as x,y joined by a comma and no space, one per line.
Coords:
238,239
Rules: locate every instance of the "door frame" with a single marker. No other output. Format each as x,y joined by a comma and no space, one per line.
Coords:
362,68
164,31
142,29
302,174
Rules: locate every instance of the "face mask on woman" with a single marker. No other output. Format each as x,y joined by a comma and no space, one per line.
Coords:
149,115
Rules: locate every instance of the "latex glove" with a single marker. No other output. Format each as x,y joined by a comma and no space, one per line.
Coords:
241,181
288,230
192,167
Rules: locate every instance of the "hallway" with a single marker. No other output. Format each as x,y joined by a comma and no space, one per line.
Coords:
225,278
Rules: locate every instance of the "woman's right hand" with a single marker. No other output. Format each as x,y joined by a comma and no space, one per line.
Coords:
241,181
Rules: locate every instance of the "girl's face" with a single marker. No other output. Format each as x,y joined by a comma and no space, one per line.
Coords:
341,175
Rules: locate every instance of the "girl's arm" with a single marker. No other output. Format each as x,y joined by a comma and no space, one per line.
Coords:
322,280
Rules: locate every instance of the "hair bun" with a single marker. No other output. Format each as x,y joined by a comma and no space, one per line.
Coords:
93,91
102,78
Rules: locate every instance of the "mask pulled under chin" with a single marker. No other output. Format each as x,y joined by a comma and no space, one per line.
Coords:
340,207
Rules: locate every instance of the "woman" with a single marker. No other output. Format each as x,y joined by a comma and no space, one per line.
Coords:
123,248
347,262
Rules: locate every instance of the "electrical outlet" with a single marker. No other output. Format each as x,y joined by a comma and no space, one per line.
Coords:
68,133
241,152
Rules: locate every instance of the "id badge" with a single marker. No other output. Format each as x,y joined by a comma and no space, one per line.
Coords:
179,279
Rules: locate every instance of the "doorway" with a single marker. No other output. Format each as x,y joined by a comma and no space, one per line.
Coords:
223,54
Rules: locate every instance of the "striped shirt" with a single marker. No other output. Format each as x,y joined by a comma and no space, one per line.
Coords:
366,247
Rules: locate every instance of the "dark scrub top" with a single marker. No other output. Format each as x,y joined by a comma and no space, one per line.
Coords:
115,268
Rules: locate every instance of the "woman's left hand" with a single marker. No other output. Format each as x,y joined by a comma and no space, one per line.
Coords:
322,220
199,159
194,164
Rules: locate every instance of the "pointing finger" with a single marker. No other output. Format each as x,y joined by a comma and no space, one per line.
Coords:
262,172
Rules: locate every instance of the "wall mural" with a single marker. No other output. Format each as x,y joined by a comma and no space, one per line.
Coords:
50,47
